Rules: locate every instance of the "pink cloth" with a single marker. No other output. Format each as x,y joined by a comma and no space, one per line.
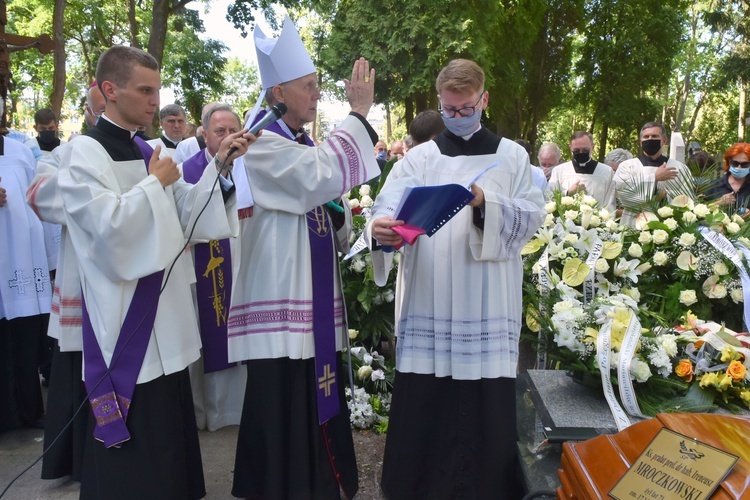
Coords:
408,233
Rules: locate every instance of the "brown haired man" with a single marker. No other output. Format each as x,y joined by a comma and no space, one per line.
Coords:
128,213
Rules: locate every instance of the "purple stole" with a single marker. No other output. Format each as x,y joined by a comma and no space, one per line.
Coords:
213,274
111,389
324,326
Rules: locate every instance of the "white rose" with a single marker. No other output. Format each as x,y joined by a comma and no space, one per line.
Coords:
640,371
611,225
661,258
366,201
589,200
721,269
635,250
571,214
601,266
359,265
733,228
633,293
353,334
669,343
737,295
562,306
605,214
567,200
549,220
687,239
364,190
571,238
364,371
389,296
689,217
644,237
665,212
354,203
671,223
594,221
701,210
586,209
718,291
688,297
377,375
739,220
660,236
550,207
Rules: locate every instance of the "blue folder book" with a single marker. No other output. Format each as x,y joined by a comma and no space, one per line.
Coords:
429,207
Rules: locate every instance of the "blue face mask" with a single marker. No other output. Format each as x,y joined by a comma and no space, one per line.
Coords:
739,172
463,125
381,155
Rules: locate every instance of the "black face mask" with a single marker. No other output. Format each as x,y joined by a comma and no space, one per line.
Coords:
582,158
48,140
651,146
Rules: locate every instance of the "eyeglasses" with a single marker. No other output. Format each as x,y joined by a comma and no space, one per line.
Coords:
739,164
464,112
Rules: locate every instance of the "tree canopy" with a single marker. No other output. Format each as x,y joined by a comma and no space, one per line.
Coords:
552,66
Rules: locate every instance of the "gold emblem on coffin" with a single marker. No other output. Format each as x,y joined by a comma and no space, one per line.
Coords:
319,217
217,277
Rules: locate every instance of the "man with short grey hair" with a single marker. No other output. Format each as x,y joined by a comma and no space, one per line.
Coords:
173,123
617,156
549,157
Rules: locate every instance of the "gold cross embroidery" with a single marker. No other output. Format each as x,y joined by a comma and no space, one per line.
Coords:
327,380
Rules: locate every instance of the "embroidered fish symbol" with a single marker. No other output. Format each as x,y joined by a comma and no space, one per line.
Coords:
213,264
690,453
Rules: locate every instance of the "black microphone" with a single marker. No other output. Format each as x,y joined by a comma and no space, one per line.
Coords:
273,115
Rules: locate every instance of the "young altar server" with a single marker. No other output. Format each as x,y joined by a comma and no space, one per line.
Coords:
128,213
452,427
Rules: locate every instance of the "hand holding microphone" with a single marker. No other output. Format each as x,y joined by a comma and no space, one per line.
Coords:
273,114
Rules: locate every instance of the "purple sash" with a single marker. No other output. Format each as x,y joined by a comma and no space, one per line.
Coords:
213,273
324,326
111,391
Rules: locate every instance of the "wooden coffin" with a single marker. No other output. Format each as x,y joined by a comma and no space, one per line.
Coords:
590,469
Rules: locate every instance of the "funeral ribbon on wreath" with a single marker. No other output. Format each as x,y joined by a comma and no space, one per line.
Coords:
727,249
543,271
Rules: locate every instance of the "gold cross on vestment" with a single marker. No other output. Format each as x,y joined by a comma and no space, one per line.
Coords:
327,380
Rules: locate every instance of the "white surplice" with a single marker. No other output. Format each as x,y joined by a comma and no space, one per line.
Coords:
598,184
459,291
636,183
25,285
123,226
271,314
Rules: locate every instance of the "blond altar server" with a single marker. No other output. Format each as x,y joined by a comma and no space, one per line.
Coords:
452,424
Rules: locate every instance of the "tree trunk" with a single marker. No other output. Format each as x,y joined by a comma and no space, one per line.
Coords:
133,25
603,135
741,117
58,75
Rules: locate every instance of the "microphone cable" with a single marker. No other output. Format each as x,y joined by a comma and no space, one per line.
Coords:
222,167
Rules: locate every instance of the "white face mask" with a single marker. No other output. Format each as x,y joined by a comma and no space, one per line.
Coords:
463,125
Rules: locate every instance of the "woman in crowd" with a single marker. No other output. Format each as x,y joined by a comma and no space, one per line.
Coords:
732,190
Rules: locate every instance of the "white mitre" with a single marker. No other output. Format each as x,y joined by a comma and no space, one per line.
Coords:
280,60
